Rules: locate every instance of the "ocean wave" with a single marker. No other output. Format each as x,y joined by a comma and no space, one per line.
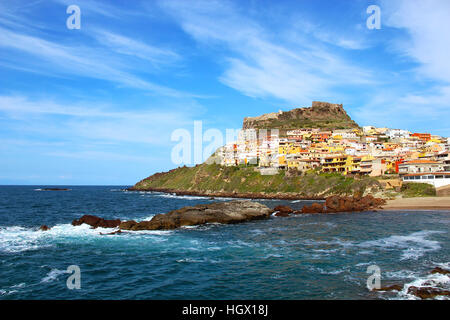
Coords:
203,260
185,197
18,239
53,275
413,246
437,281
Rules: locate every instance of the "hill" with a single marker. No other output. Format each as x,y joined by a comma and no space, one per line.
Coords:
247,182
319,115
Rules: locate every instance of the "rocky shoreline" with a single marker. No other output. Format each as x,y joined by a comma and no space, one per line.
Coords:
423,292
229,212
246,195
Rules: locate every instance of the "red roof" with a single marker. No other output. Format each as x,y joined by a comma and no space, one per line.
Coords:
421,161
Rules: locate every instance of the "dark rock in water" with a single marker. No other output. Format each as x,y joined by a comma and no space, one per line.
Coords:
440,270
427,292
283,209
314,208
127,225
394,287
281,214
44,228
96,222
334,204
219,212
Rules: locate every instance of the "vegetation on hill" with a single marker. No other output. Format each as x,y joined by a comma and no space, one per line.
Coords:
208,178
320,115
411,190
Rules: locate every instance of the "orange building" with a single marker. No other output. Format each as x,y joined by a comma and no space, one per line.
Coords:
422,136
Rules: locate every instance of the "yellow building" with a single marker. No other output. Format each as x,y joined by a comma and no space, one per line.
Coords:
344,164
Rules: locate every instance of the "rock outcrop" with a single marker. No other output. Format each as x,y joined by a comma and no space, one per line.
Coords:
440,271
219,212
44,228
394,287
96,222
335,204
319,115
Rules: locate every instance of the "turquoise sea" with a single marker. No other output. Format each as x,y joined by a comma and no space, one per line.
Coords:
300,257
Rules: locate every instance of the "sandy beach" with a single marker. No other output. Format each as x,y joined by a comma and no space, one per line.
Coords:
428,203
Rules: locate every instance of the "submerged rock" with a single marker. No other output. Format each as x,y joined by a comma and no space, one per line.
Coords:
440,270
281,214
394,287
283,209
427,292
219,212
96,222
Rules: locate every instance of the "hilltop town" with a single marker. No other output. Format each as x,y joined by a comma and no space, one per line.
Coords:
314,142
367,150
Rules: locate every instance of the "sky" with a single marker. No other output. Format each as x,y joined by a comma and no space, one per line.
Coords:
98,105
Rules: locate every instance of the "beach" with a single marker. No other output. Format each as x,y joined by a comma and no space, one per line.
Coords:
425,203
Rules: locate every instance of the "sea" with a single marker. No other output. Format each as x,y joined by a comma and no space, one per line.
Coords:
330,256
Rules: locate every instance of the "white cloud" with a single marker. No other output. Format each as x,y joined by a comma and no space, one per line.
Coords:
427,24
258,62
132,47
92,62
151,126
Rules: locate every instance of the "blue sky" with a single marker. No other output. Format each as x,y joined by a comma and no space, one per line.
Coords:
98,105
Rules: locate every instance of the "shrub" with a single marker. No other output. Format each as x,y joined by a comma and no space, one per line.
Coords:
413,189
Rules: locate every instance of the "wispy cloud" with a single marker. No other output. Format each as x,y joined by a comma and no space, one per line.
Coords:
76,60
258,63
99,124
128,46
422,97
427,26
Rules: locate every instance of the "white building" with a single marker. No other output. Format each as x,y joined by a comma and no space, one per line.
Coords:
437,179
397,133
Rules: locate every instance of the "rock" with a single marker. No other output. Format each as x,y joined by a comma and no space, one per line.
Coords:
440,270
44,228
297,118
427,292
394,287
314,208
127,225
111,233
351,204
96,222
281,214
283,209
219,212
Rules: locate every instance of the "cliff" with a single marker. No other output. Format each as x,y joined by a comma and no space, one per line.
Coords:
319,115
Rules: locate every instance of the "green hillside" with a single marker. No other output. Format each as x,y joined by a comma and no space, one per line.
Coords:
213,178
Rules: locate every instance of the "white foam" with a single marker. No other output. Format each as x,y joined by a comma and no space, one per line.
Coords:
185,197
414,245
53,275
437,280
17,239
